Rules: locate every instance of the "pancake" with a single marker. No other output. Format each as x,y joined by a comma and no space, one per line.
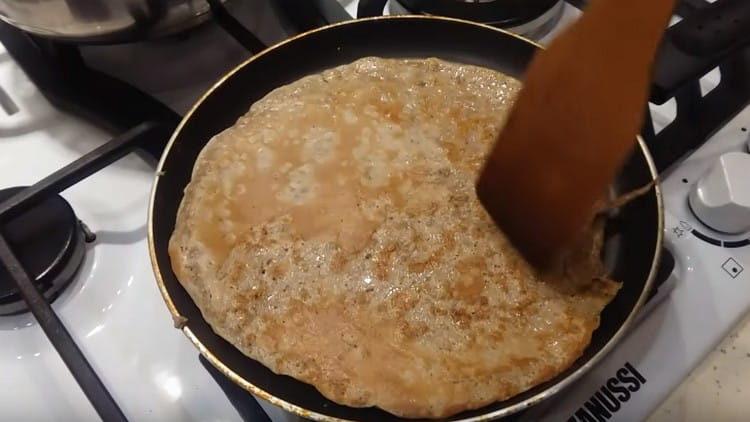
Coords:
334,235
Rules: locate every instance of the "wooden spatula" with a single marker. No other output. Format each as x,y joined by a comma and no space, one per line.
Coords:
572,127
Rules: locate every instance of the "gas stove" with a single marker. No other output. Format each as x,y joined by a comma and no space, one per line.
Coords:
115,314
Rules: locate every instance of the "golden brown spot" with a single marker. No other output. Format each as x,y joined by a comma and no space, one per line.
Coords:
470,281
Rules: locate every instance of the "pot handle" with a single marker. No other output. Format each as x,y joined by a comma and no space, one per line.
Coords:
699,43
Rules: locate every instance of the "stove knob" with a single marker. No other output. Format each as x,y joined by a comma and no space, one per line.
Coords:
721,197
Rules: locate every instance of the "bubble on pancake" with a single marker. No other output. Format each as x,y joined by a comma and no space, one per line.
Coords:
299,186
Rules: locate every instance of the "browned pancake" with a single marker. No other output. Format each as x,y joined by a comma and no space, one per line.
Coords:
333,234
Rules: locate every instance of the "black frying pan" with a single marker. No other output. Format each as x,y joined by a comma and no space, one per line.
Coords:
635,234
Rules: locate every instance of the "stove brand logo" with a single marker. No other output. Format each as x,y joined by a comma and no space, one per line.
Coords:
610,397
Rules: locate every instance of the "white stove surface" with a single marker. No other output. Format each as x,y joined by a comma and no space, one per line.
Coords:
116,315
113,309
710,297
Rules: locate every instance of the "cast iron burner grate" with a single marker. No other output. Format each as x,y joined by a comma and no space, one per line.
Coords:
41,240
49,241
531,18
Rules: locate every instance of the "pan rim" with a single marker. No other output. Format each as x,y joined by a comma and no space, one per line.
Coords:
300,411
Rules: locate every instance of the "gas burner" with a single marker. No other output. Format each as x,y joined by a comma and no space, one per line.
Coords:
530,18
49,241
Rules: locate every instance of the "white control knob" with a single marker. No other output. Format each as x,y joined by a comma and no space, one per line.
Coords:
721,197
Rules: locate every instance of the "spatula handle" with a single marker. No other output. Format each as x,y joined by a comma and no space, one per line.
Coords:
573,125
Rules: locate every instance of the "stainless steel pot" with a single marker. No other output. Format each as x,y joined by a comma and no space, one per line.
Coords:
103,20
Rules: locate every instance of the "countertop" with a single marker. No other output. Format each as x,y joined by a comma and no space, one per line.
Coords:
719,389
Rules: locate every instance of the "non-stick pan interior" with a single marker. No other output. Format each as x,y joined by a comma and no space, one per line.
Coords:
636,226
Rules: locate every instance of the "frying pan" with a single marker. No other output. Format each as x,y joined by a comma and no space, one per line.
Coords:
634,235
